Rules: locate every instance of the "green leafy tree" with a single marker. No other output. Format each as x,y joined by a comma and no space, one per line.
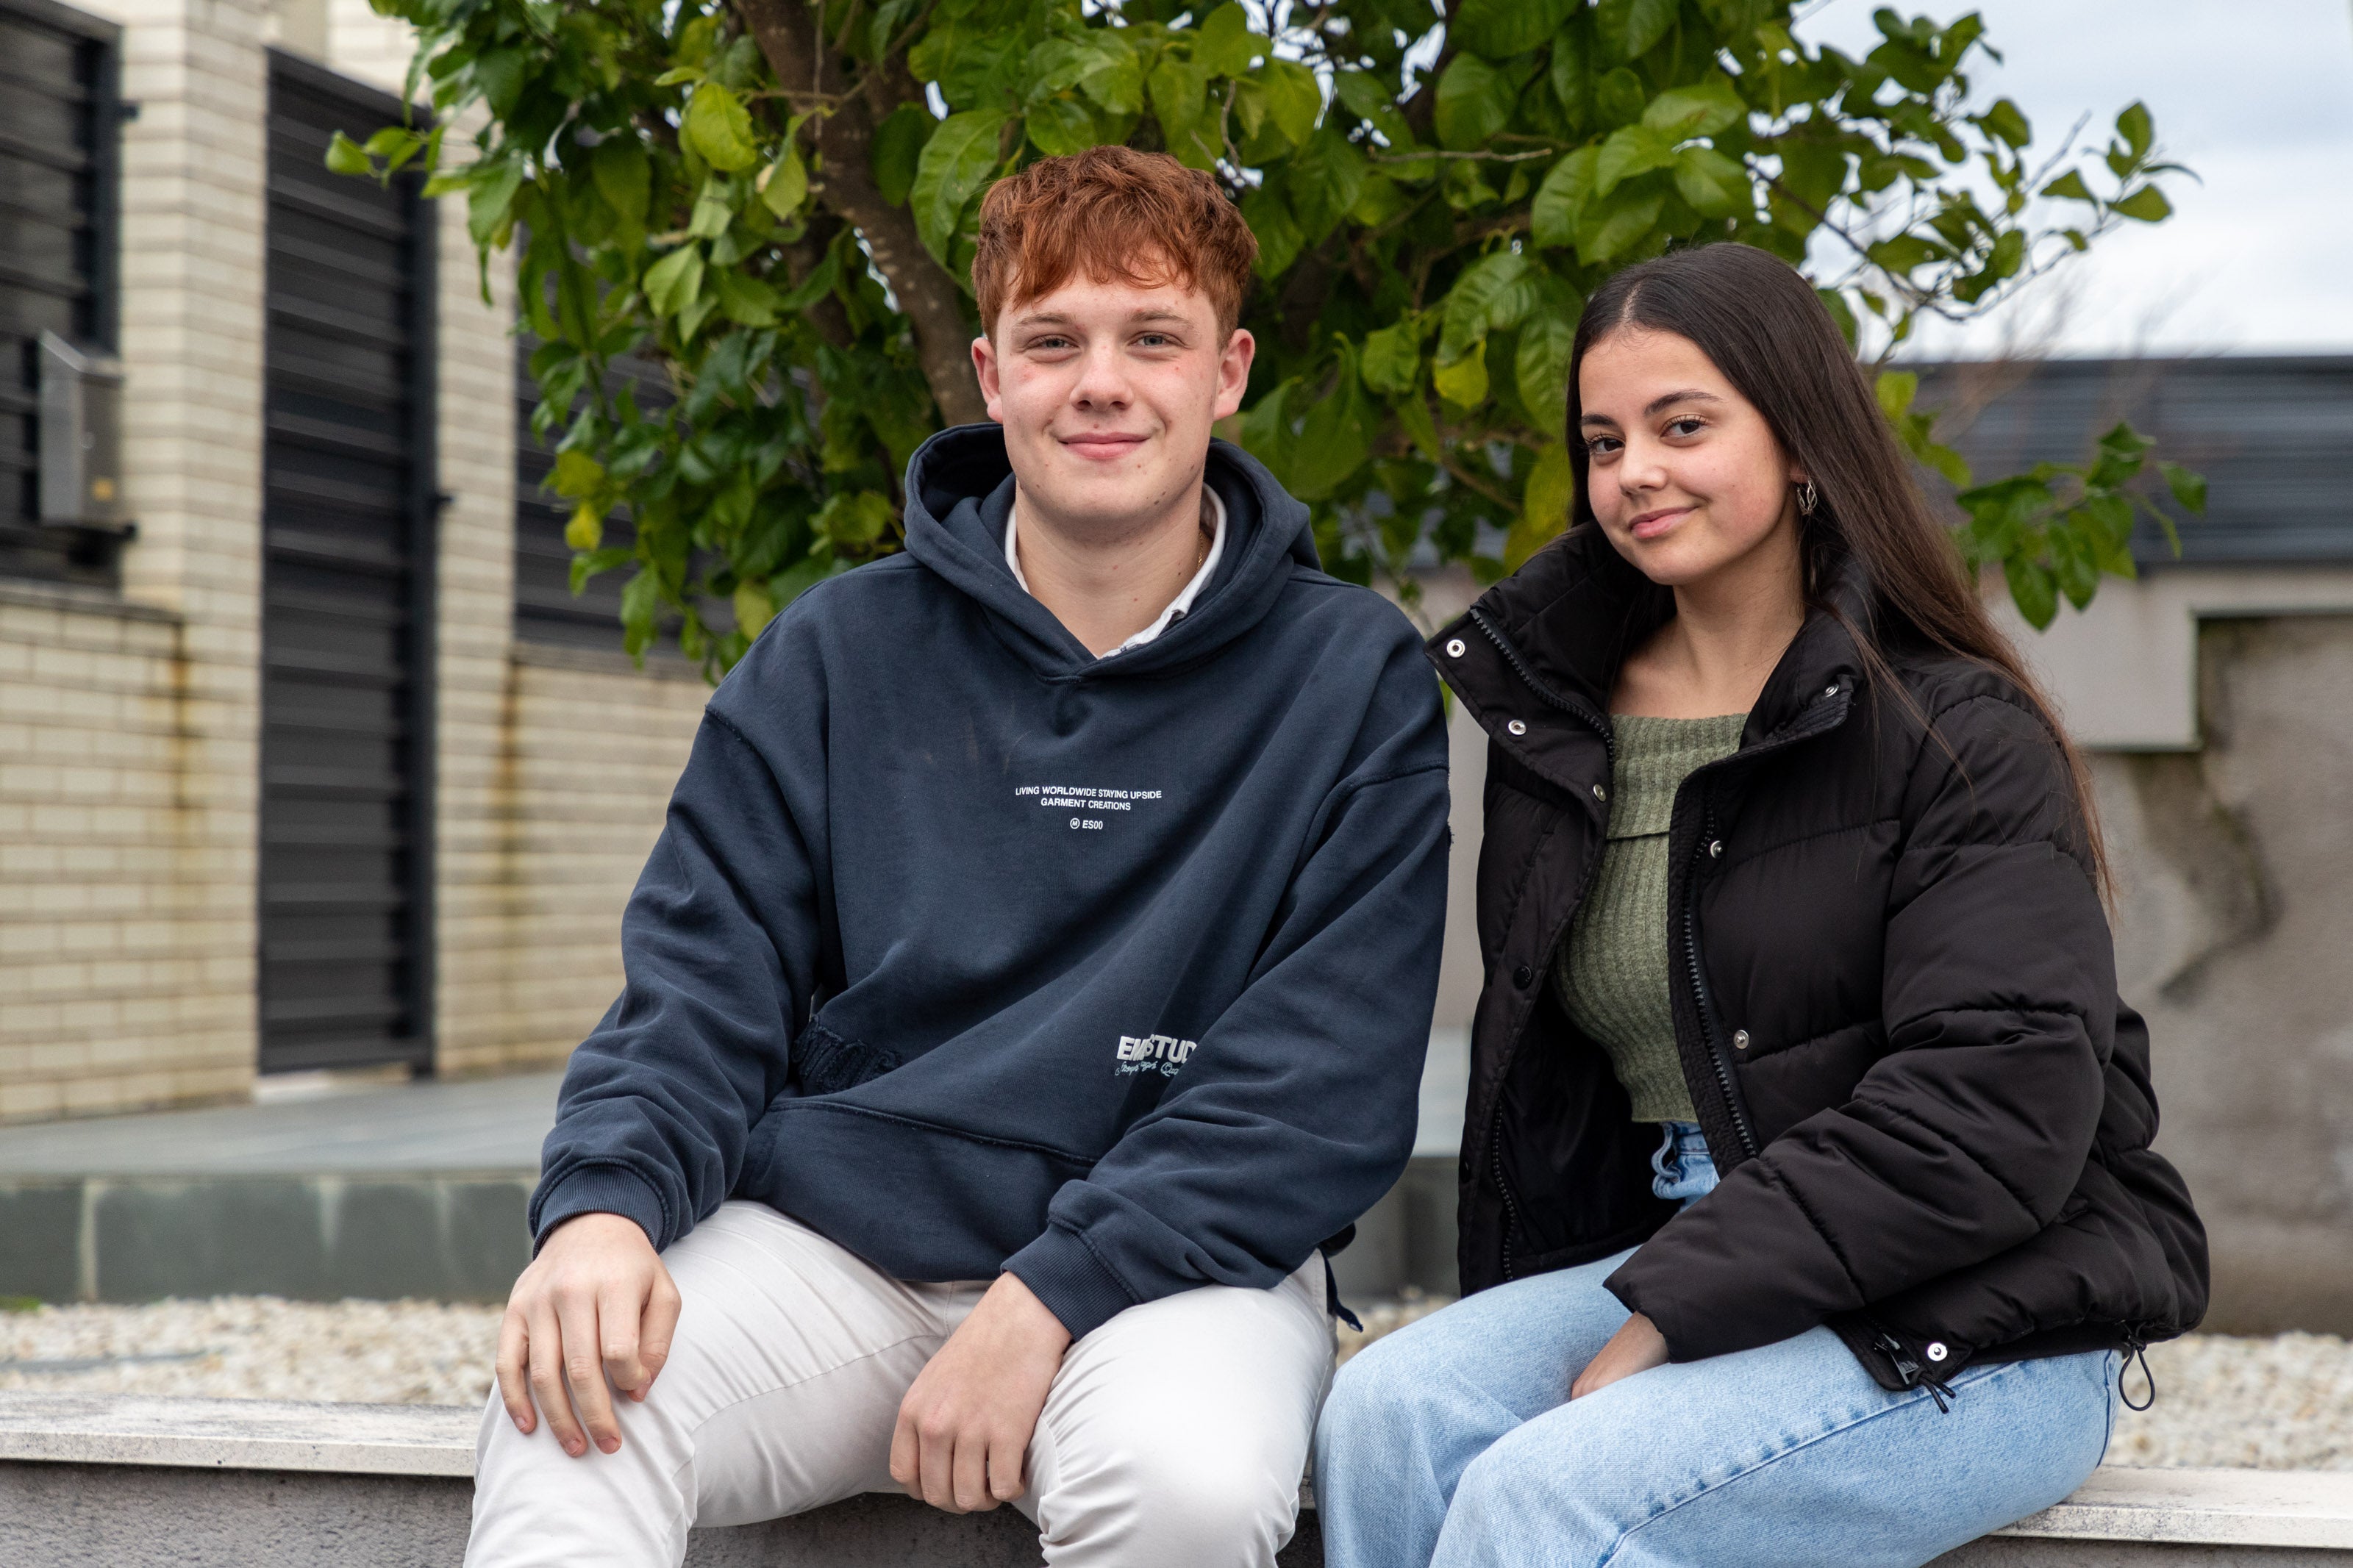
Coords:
773,201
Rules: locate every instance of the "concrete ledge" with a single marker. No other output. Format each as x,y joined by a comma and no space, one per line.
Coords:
196,1483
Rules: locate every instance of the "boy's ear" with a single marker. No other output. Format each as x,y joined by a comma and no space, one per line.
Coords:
984,368
1233,372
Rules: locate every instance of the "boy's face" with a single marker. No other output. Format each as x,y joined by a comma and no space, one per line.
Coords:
1106,393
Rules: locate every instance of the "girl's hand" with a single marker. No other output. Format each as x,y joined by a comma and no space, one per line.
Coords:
1637,1346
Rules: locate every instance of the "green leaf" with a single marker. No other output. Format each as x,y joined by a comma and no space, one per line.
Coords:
1464,383
1180,102
713,211
1714,184
1630,151
1647,22
670,284
1060,126
1545,501
2134,126
1333,442
574,475
1363,96
1475,101
1711,105
1392,357
624,177
488,196
1502,28
2070,187
1494,293
784,185
2008,121
1540,365
1324,178
585,529
1224,45
345,156
2032,589
1268,212
2147,205
957,162
1116,80
745,300
898,149
1293,99
1560,201
1896,390
718,126
753,608
1614,224
792,583
2187,488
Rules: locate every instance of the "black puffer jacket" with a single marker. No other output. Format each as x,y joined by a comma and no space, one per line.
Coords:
1894,999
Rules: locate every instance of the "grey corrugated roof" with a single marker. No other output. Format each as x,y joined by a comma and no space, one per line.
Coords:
2273,435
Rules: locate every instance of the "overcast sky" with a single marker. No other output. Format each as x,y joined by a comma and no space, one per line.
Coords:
2255,96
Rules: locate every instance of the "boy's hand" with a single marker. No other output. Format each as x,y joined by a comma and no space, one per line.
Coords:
595,1303
1637,1346
964,1427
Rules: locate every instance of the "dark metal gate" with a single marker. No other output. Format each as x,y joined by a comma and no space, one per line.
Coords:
348,524
58,117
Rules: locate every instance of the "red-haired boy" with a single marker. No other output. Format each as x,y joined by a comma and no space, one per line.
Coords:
1034,970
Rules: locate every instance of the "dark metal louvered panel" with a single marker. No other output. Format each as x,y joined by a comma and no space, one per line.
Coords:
59,121
2271,434
347,522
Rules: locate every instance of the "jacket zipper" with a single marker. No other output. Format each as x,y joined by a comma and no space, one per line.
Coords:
1567,704
1710,1036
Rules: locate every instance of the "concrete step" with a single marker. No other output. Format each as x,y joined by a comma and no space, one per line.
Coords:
414,1191
136,1482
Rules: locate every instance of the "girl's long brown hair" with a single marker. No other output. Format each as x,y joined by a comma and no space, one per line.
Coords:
1769,333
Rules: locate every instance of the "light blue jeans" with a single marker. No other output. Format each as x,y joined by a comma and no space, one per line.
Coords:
1453,1442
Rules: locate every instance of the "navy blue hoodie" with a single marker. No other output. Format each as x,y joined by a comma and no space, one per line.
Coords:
973,951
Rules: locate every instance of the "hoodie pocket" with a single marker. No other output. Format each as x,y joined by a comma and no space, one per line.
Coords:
825,1063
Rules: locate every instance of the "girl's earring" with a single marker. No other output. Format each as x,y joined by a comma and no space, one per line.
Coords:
1808,499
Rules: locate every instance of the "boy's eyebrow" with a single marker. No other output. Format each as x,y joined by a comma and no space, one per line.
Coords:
1058,319
1688,394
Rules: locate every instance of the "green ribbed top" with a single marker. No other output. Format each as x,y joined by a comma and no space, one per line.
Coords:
1612,971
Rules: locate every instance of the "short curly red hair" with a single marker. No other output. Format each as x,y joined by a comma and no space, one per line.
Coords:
1121,215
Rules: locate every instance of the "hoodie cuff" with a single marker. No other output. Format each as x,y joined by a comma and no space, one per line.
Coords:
1064,1273
599,1189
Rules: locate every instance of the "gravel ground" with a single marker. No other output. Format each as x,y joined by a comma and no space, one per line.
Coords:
2282,1403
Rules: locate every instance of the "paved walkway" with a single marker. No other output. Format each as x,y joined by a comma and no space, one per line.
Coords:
474,1124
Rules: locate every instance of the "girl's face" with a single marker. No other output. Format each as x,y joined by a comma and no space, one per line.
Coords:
1686,477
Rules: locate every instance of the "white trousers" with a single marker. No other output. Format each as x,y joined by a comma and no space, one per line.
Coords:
1176,1433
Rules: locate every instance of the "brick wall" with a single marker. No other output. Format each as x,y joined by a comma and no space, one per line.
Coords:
127,728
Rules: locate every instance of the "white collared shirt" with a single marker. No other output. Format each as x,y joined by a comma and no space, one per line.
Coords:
1179,607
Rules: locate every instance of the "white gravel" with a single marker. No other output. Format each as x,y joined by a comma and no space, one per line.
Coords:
2281,1403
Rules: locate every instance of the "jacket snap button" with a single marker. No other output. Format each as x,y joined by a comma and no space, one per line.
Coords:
1517,727
1454,649
1714,848
1522,976
1937,1351
1740,1040
1601,794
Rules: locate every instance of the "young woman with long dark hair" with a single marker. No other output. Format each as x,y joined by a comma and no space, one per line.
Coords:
1807,1208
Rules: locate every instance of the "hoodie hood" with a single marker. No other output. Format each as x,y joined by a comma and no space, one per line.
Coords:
960,487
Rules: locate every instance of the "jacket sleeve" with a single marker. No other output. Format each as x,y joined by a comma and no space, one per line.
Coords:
1998,994
1296,1111
719,945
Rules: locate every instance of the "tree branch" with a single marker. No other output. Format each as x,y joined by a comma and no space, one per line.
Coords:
785,30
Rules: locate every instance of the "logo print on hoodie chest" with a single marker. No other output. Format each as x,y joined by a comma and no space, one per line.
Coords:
1087,804
1163,1054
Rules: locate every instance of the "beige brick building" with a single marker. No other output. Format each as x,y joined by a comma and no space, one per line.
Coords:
131,701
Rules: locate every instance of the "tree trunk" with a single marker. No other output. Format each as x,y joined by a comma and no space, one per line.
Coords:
810,72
